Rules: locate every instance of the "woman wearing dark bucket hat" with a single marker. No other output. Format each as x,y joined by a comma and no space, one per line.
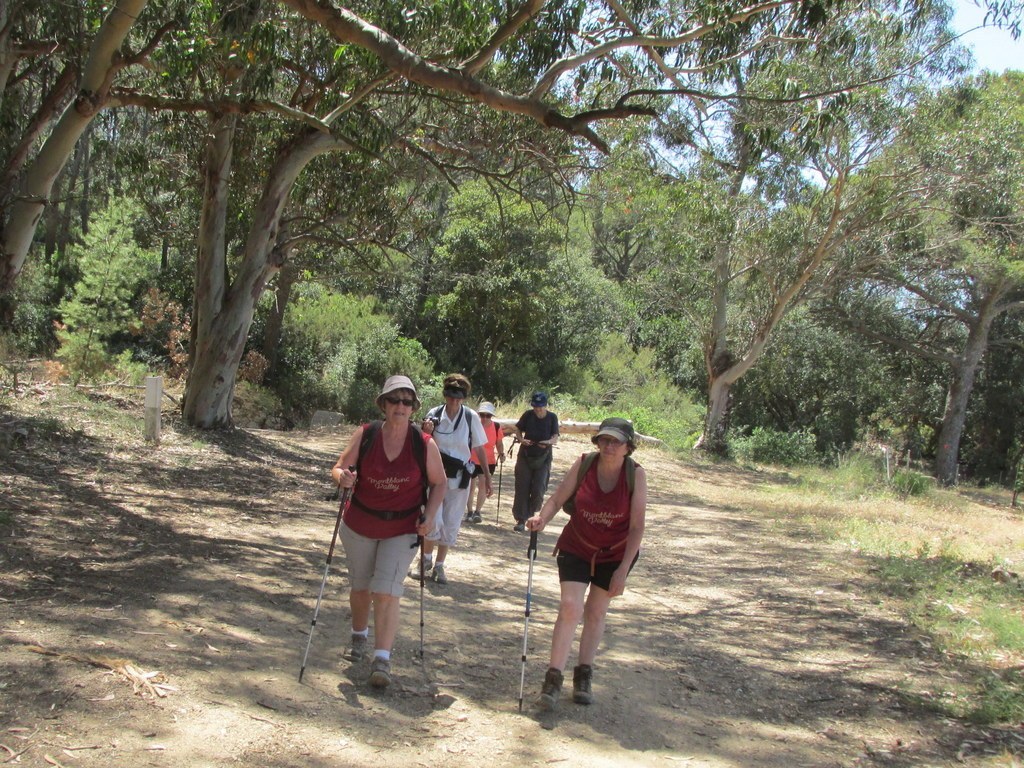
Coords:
597,548
537,431
380,525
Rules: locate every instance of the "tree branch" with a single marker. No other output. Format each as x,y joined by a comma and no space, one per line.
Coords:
525,14
346,27
123,97
549,78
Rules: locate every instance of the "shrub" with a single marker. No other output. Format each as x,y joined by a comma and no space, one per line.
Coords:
107,299
768,446
906,482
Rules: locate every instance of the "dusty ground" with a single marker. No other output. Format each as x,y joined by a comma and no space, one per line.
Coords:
156,602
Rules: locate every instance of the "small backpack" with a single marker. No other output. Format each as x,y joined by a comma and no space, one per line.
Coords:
588,459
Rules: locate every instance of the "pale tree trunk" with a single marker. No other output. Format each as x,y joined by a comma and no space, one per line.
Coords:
717,355
210,279
724,369
223,314
286,278
27,209
960,385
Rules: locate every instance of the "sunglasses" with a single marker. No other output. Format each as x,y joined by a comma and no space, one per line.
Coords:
608,440
485,415
400,400
452,392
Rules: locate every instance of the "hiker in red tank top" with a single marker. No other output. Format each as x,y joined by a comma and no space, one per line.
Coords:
387,510
599,529
596,551
387,485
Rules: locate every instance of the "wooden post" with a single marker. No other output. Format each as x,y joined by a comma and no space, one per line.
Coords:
154,391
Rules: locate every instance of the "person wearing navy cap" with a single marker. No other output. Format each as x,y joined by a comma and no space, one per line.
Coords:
537,432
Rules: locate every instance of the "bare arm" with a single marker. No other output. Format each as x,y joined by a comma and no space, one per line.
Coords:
637,514
557,499
342,477
437,483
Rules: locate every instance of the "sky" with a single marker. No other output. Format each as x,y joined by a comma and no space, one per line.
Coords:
993,48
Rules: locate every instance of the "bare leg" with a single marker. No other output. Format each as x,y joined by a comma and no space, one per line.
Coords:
593,623
481,495
359,603
570,611
385,620
442,550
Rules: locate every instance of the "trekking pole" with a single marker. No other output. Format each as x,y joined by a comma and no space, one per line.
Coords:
531,554
327,568
497,514
423,578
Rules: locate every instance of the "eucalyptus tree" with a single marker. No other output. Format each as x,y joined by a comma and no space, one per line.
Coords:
342,101
775,177
122,38
956,264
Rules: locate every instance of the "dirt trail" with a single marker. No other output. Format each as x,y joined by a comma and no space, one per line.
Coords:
739,641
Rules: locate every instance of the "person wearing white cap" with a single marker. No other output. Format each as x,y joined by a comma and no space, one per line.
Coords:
596,549
495,453
398,486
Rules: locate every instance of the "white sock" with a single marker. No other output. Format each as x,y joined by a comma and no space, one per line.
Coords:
362,632
386,655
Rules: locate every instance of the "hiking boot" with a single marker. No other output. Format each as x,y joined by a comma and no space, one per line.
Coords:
357,648
551,689
581,678
438,575
475,517
519,527
414,571
380,672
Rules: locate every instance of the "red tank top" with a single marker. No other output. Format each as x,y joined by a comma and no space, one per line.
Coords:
387,486
598,529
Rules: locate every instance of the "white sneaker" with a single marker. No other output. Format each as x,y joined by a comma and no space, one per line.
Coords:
437,575
414,571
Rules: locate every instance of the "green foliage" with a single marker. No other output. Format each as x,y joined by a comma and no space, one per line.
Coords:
106,301
33,302
818,378
627,383
336,350
769,446
906,482
357,370
507,304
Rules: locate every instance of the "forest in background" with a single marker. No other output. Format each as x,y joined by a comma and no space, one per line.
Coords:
782,231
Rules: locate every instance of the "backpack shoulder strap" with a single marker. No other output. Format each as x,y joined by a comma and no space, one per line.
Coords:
630,475
585,463
370,432
469,424
419,449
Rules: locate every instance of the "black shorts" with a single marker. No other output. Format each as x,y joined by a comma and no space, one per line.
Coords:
480,470
573,568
